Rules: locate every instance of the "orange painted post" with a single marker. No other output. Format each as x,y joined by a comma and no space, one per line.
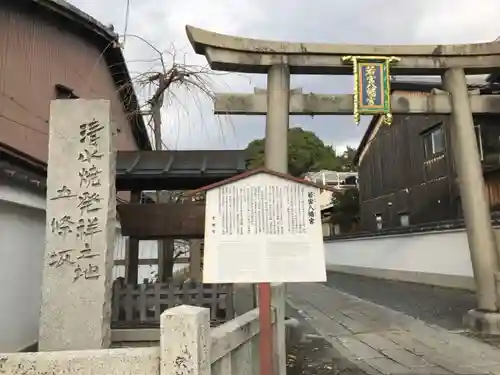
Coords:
266,330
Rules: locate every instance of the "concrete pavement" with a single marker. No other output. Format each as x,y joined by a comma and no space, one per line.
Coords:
375,339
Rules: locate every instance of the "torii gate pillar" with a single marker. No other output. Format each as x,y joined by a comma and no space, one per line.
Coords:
276,158
277,119
475,203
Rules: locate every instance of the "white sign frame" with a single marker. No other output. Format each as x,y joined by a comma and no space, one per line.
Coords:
251,239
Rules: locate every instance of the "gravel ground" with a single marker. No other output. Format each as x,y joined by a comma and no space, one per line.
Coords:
311,357
308,357
443,307
314,355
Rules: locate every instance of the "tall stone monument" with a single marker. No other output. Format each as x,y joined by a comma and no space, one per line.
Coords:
80,232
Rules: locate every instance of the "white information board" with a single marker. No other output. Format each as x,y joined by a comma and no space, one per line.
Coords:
263,228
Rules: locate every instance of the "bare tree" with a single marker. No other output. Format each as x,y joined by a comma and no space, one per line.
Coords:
169,75
163,83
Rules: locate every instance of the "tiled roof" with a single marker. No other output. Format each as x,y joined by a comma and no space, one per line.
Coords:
176,170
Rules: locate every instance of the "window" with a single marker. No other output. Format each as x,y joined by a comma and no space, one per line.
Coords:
433,142
404,219
351,180
64,92
378,220
490,137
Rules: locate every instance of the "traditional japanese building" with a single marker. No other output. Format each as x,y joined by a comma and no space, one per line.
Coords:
406,171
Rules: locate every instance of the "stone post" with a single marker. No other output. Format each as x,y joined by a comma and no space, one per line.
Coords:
472,190
185,341
276,158
81,227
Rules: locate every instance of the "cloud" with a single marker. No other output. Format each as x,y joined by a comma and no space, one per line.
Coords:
190,123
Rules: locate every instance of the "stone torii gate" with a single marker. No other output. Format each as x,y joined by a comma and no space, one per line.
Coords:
452,62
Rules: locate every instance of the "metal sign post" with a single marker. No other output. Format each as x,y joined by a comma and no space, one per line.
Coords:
266,330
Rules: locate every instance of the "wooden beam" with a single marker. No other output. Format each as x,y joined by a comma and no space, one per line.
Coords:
195,260
164,220
320,104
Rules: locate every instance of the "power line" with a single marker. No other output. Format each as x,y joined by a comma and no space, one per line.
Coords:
127,16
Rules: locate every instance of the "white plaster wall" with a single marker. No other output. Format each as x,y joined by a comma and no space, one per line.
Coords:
14,194
22,236
439,252
147,250
325,199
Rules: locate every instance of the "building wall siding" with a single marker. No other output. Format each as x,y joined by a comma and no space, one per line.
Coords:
492,182
35,55
396,177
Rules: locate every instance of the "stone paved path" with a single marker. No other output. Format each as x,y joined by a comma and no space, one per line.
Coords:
444,307
377,340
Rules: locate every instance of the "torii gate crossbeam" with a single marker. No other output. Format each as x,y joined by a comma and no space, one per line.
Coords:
323,104
244,55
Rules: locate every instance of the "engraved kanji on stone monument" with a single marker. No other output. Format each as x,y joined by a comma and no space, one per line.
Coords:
81,226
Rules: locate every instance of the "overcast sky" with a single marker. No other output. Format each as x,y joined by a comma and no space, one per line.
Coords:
190,123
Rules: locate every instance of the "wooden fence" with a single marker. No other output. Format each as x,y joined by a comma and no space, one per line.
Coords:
136,306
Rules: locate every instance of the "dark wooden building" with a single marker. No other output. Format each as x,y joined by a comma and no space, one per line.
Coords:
406,171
